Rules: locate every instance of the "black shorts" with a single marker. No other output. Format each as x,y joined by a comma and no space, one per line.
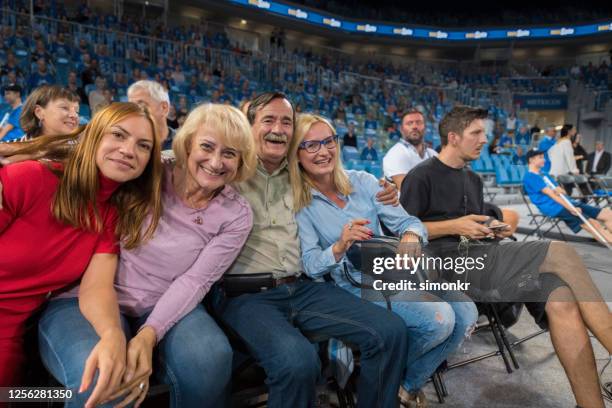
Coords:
511,273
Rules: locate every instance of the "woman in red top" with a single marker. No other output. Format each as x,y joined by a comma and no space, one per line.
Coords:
60,222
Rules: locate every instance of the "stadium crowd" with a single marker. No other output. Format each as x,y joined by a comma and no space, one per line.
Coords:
262,197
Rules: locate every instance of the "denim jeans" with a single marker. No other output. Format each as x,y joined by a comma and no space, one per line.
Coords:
437,325
273,325
194,358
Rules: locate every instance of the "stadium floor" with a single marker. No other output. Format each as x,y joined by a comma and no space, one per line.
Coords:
540,382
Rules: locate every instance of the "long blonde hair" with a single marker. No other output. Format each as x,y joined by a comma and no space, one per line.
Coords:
301,183
78,187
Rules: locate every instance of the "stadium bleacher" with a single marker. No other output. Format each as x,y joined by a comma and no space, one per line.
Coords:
200,63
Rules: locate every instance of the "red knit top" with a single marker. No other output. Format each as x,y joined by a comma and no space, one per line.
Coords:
38,254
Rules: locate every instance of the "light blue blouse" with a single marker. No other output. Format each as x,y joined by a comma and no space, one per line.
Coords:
320,225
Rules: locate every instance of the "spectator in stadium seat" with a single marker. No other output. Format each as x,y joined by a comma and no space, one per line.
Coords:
393,132
340,116
369,152
172,118
96,96
549,202
507,139
271,322
40,51
410,150
59,46
350,138
152,95
73,86
19,40
11,130
321,191
549,276
161,284
598,161
42,76
523,137
180,119
90,73
519,156
51,201
511,121
12,78
545,144
120,85
178,75
370,123
11,65
50,110
535,129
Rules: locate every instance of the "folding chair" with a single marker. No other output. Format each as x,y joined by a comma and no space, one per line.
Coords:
581,183
539,220
387,245
499,317
601,186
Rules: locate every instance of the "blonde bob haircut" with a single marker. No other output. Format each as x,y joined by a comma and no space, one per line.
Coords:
76,194
301,183
229,125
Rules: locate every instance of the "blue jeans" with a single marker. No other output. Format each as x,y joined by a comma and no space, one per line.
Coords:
194,358
273,325
437,325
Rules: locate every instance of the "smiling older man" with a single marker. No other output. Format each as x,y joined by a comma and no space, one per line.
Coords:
271,305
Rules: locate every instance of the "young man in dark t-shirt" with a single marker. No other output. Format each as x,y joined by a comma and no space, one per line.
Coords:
448,198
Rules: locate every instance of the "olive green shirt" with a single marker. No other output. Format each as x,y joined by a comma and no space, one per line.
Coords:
273,244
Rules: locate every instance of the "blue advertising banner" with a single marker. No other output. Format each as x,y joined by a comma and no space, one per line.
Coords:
541,101
424,33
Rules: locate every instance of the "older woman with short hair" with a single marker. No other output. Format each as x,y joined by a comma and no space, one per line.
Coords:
160,285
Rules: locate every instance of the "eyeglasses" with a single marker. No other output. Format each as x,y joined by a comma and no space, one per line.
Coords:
313,146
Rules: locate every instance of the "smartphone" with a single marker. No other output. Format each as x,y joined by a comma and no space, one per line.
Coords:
499,227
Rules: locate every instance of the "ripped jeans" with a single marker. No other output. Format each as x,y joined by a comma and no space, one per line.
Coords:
437,326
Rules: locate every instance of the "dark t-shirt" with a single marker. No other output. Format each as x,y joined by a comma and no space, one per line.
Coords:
350,140
433,191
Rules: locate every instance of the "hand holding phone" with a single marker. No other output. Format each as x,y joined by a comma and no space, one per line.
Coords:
499,227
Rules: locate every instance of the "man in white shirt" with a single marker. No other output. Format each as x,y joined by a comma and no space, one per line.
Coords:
410,150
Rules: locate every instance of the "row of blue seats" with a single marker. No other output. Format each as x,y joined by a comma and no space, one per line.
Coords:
372,167
510,175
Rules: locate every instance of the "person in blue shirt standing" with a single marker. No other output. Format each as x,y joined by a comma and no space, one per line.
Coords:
369,152
11,130
545,144
550,203
335,208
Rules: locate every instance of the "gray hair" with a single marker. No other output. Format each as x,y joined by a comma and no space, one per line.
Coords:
154,89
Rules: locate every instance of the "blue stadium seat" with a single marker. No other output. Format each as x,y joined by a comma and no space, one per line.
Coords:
350,153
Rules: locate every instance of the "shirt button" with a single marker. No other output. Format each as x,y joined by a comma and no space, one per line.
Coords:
273,221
